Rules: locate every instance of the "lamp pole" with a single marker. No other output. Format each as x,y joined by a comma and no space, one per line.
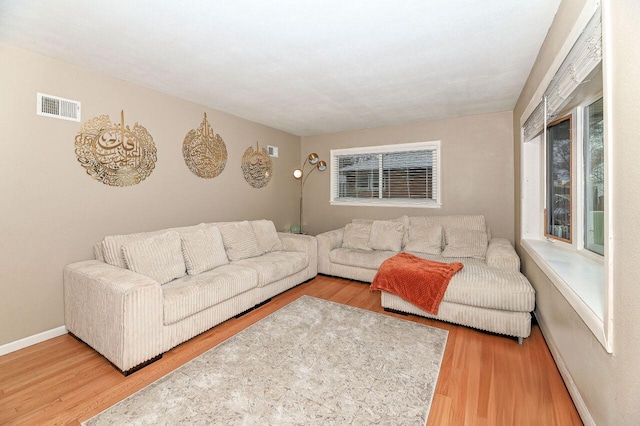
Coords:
300,174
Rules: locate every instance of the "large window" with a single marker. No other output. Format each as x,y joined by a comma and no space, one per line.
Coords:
387,175
565,177
558,211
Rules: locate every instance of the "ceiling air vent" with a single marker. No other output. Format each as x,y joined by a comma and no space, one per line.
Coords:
56,107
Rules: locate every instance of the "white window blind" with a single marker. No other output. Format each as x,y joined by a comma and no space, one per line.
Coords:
534,124
406,174
582,59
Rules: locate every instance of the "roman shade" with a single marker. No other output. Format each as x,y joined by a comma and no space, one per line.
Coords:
583,58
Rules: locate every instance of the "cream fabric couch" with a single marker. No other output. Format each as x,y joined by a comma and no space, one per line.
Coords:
146,293
489,293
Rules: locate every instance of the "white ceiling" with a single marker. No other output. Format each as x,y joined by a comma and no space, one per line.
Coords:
304,66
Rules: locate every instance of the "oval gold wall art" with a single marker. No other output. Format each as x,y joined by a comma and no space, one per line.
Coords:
204,151
257,167
113,153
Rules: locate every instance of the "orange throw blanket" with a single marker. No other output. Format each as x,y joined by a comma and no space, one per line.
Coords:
416,280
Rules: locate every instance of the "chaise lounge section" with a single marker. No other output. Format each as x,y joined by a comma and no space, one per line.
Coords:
489,293
146,293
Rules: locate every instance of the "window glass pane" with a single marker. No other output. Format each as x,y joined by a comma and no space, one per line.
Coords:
408,174
594,178
358,176
559,180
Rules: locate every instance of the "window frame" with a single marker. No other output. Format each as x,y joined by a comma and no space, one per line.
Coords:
572,180
434,146
584,106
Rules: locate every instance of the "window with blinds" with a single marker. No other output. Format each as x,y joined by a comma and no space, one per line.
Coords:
391,175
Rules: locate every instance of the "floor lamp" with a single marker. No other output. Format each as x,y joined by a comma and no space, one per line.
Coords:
316,164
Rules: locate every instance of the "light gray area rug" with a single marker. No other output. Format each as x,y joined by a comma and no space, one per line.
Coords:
311,362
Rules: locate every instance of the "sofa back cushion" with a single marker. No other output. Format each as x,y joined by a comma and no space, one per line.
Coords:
267,235
404,220
239,240
112,245
472,222
465,243
425,239
158,257
356,236
203,250
386,235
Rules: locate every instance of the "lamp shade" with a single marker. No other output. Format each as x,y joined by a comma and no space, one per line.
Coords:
322,166
297,173
313,158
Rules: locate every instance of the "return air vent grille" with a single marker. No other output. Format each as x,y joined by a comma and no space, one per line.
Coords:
56,107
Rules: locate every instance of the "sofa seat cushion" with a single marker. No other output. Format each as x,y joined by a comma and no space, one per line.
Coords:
483,286
194,293
369,259
276,265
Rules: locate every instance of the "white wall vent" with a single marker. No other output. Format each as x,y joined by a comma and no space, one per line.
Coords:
56,107
272,150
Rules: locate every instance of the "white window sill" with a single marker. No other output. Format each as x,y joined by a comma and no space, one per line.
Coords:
579,278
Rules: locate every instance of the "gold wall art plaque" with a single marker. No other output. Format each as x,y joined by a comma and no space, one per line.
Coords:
204,151
113,153
257,167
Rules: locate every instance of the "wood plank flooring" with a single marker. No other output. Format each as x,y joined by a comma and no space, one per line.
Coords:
485,379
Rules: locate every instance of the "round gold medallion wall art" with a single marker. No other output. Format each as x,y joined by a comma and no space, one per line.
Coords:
257,167
204,151
115,154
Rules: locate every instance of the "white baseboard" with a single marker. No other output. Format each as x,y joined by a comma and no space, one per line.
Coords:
32,340
583,411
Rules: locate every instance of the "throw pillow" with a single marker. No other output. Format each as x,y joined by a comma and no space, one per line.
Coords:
356,236
425,239
203,250
405,222
239,240
465,243
112,245
158,257
386,235
267,235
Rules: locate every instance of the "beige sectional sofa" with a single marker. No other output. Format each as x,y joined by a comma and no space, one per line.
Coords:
146,293
489,293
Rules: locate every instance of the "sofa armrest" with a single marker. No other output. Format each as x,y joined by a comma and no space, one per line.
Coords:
328,241
502,255
303,243
116,311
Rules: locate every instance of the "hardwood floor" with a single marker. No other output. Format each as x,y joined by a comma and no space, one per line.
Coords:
485,379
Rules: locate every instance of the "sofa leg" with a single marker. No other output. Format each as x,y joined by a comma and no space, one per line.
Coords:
252,308
520,340
393,311
141,366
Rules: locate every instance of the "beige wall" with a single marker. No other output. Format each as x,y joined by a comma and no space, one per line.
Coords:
608,384
52,211
477,171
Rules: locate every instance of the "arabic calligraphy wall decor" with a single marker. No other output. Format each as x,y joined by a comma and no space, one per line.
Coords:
257,167
204,151
113,153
